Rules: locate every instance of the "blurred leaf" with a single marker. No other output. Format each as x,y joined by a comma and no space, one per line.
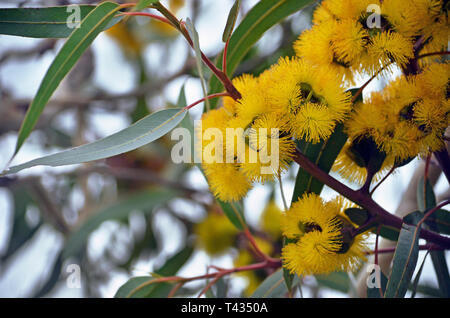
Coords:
170,268
375,292
174,263
21,231
146,243
273,286
404,261
142,4
259,19
198,57
94,23
234,212
416,279
141,109
231,21
133,288
428,291
52,280
337,281
50,22
439,221
145,200
138,134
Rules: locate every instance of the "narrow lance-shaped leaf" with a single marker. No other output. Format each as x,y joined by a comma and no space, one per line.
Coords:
198,58
377,286
76,44
49,22
405,259
139,134
273,286
419,273
231,21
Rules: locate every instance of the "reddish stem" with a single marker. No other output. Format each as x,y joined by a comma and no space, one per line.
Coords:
205,98
255,246
433,53
148,15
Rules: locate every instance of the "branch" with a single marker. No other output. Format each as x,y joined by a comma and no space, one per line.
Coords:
364,200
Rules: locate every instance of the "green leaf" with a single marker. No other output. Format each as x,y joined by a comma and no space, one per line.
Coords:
146,201
357,215
416,279
174,263
50,22
198,58
170,268
21,231
375,292
134,288
76,44
390,233
142,4
273,286
139,134
234,212
426,199
405,260
231,21
323,154
264,15
439,221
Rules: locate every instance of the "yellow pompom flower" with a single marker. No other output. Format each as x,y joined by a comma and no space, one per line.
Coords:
123,34
215,234
312,96
316,47
248,86
351,170
385,48
323,238
218,170
226,181
269,147
408,117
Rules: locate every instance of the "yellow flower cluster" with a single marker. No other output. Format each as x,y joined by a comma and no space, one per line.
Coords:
407,118
355,36
320,236
294,98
